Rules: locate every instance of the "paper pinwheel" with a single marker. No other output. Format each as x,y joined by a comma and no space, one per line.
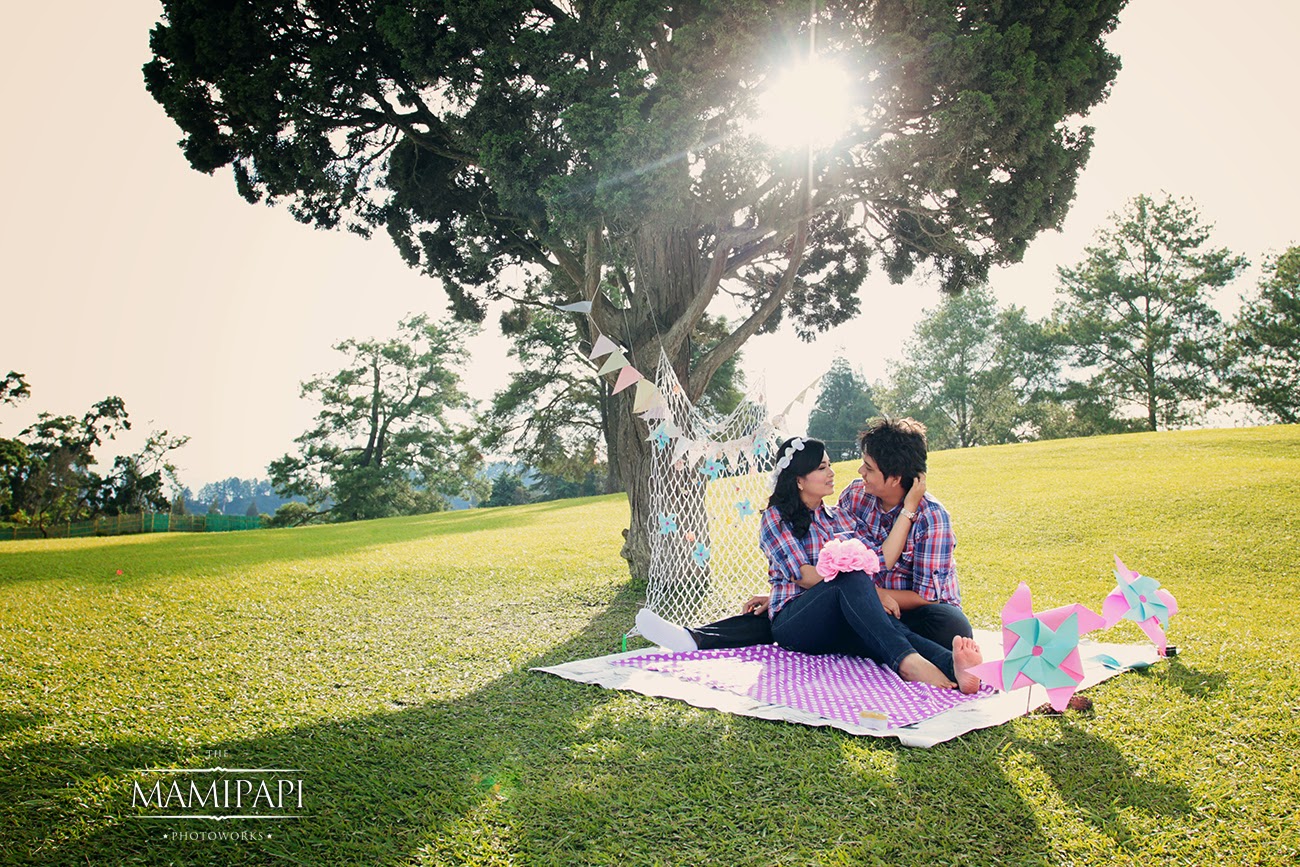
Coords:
667,523
712,468
1040,648
700,555
744,508
661,436
1140,599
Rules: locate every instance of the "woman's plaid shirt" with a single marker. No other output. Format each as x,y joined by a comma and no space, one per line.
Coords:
785,553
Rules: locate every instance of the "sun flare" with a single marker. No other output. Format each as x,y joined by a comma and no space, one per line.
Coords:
807,105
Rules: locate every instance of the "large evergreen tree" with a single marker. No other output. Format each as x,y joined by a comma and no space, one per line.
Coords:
843,406
609,145
1137,309
1265,342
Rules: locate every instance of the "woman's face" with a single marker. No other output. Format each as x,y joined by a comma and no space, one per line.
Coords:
820,483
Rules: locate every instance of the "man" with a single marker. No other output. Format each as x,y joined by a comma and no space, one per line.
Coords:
923,581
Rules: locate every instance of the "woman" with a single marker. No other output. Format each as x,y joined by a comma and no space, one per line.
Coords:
848,614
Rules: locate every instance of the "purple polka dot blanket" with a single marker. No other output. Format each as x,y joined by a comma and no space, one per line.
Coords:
836,687
848,693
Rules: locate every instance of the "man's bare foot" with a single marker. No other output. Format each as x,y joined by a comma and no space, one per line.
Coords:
917,669
965,656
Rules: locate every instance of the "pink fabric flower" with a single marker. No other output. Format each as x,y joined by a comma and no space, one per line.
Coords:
846,555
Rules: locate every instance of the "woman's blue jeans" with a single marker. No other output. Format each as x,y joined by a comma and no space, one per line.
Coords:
845,616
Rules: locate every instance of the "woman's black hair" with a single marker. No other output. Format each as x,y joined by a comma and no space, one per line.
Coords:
785,496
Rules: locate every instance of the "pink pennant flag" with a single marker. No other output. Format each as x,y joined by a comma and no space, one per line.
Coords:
626,377
604,346
616,361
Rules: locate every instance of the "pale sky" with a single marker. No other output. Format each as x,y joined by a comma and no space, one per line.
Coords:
126,272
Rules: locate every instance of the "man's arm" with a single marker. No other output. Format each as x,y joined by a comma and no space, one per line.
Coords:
933,568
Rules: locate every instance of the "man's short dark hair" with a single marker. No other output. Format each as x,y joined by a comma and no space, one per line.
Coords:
897,445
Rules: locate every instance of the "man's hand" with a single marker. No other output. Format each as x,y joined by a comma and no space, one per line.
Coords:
756,605
915,493
888,602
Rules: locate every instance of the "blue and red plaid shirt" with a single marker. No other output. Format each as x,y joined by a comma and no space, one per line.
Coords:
926,565
785,553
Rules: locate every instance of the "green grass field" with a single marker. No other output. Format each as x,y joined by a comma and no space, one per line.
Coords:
389,660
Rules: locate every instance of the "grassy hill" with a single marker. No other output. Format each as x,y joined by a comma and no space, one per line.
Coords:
389,660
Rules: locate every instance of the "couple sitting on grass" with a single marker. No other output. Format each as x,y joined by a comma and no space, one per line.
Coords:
906,616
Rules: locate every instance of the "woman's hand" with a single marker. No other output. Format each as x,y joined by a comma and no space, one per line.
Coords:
756,605
914,495
888,602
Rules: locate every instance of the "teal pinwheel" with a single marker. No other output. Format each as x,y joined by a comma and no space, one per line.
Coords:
1140,599
701,554
1040,648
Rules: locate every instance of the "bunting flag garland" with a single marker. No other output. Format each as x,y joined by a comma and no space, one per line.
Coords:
604,346
616,361
646,396
628,376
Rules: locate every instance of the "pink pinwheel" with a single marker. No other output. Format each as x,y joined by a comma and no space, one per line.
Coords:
1040,648
1140,599
846,555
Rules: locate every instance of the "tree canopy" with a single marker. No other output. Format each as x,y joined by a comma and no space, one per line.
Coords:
48,472
610,146
383,443
1265,341
1137,309
843,406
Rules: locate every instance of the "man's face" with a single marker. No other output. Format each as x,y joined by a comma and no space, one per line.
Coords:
874,481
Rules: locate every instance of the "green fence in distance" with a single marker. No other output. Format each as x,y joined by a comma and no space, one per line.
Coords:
146,522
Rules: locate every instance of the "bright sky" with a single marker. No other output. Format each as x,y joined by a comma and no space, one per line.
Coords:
125,272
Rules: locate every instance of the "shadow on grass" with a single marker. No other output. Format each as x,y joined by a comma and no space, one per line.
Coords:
153,555
539,770
1193,682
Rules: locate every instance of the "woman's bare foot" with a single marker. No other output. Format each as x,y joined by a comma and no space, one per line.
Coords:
917,669
965,656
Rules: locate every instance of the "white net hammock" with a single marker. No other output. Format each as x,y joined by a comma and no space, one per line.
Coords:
709,480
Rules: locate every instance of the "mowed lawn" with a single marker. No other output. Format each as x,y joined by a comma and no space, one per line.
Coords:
389,661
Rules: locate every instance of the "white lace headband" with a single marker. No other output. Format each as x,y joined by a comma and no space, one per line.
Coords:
796,445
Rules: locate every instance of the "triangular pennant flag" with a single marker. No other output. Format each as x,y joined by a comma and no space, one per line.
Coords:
616,361
656,411
604,346
576,307
646,394
681,448
626,377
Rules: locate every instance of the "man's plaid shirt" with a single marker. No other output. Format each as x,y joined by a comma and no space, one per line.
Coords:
926,565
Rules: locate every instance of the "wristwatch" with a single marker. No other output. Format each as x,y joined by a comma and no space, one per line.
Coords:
908,514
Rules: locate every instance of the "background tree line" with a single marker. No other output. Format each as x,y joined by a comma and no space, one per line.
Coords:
1133,343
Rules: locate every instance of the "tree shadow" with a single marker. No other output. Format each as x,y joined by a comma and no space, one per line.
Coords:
1191,681
531,768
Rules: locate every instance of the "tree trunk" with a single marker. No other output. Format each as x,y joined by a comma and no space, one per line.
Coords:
668,275
633,456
